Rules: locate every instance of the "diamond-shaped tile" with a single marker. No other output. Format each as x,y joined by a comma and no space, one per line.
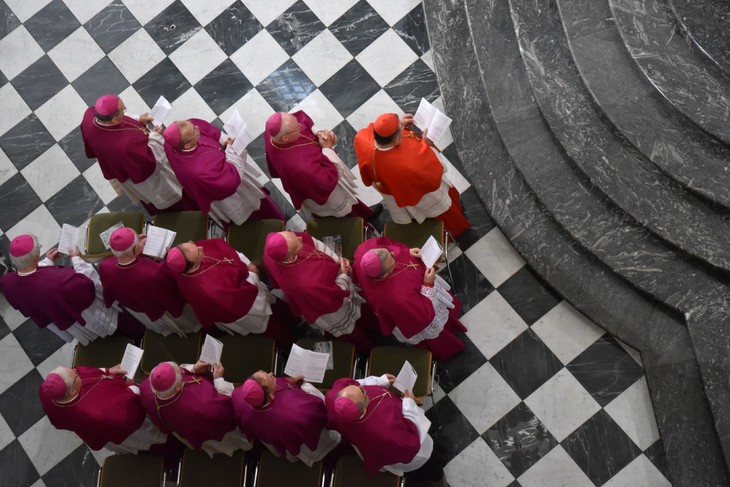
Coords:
14,108
387,46
294,28
457,369
47,445
52,24
17,200
100,79
8,21
233,28
393,12
319,68
40,223
223,86
493,324
145,11
7,169
345,137
328,11
528,295
206,11
136,55
41,81
23,396
62,113
357,28
190,105
286,87
101,186
24,9
452,430
66,54
197,56
633,411
469,285
18,51
12,317
37,343
557,468
14,366
371,109
412,29
74,203
266,12
639,472
321,111
26,141
112,26
50,172
338,89
254,110
477,465
73,146
566,331
6,435
259,57
172,27
164,79
415,82
17,468
62,356
655,453
78,468
495,257
84,10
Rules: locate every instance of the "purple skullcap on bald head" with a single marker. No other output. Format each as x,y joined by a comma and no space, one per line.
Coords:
371,265
276,246
162,377
273,124
176,260
107,105
122,239
172,134
21,245
54,387
253,393
347,409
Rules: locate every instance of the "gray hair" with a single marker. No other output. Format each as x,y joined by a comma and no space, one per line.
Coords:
29,258
171,390
129,252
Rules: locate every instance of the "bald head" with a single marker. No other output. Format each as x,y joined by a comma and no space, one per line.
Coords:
293,244
289,131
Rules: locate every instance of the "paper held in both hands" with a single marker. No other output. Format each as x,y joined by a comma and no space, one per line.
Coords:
160,111
237,129
312,365
212,350
406,378
429,117
130,361
69,238
431,252
158,241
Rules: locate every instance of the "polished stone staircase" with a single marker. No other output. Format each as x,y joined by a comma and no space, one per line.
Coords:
596,133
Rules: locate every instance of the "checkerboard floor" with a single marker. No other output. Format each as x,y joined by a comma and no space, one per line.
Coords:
541,396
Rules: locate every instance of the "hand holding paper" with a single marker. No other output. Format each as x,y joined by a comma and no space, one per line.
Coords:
131,360
311,365
406,378
160,111
430,118
431,252
212,350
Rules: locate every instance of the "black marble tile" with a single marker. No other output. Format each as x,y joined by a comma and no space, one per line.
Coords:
280,200
449,428
481,222
3,79
223,86
217,123
75,203
412,29
38,343
519,439
339,88
17,200
526,363
100,79
294,28
600,448
164,79
415,82
4,328
605,369
26,141
357,28
112,26
529,297
257,150
123,203
77,469
172,27
234,27
655,454
8,21
5,266
16,467
52,24
345,148
286,87
39,82
73,146
450,373
22,396
469,285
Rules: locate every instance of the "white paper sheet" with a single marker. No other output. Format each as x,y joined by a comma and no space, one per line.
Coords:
429,117
431,252
158,241
311,365
130,361
106,234
69,238
212,350
160,111
406,378
236,128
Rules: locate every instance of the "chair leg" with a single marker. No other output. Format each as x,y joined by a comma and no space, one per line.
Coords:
446,255
433,402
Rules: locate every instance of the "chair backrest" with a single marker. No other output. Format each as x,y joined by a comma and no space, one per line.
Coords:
188,225
250,237
95,249
102,352
244,355
197,469
350,228
415,234
136,470
273,471
391,359
350,472
158,348
343,360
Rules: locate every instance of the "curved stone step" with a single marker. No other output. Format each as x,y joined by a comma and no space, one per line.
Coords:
682,412
707,25
693,84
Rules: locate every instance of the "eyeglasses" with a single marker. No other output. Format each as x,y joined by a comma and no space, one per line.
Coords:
298,129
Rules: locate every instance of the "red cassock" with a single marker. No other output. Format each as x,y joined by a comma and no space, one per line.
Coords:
304,171
203,172
105,410
292,419
383,436
122,149
218,291
198,413
51,294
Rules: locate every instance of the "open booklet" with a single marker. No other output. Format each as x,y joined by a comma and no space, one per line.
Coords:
312,365
236,128
429,117
431,252
160,111
69,238
158,241
406,378
107,234
212,350
130,361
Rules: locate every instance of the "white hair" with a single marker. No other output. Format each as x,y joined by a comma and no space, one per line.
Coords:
30,258
66,374
129,252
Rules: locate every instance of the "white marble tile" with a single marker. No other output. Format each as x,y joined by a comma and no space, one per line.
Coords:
144,10
391,47
7,169
66,55
492,324
322,57
256,171
84,10
639,472
254,110
39,483
482,412
566,331
208,10
50,172
101,455
25,9
428,59
329,11
15,363
477,465
18,50
562,404
6,434
11,316
391,11
198,56
323,114
102,187
62,113
447,139
46,445
40,223
296,224
133,102
438,394
62,356
635,354
136,55
268,10
259,57
189,105
495,257
366,113
366,194
633,411
555,469
280,187
14,108
456,178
